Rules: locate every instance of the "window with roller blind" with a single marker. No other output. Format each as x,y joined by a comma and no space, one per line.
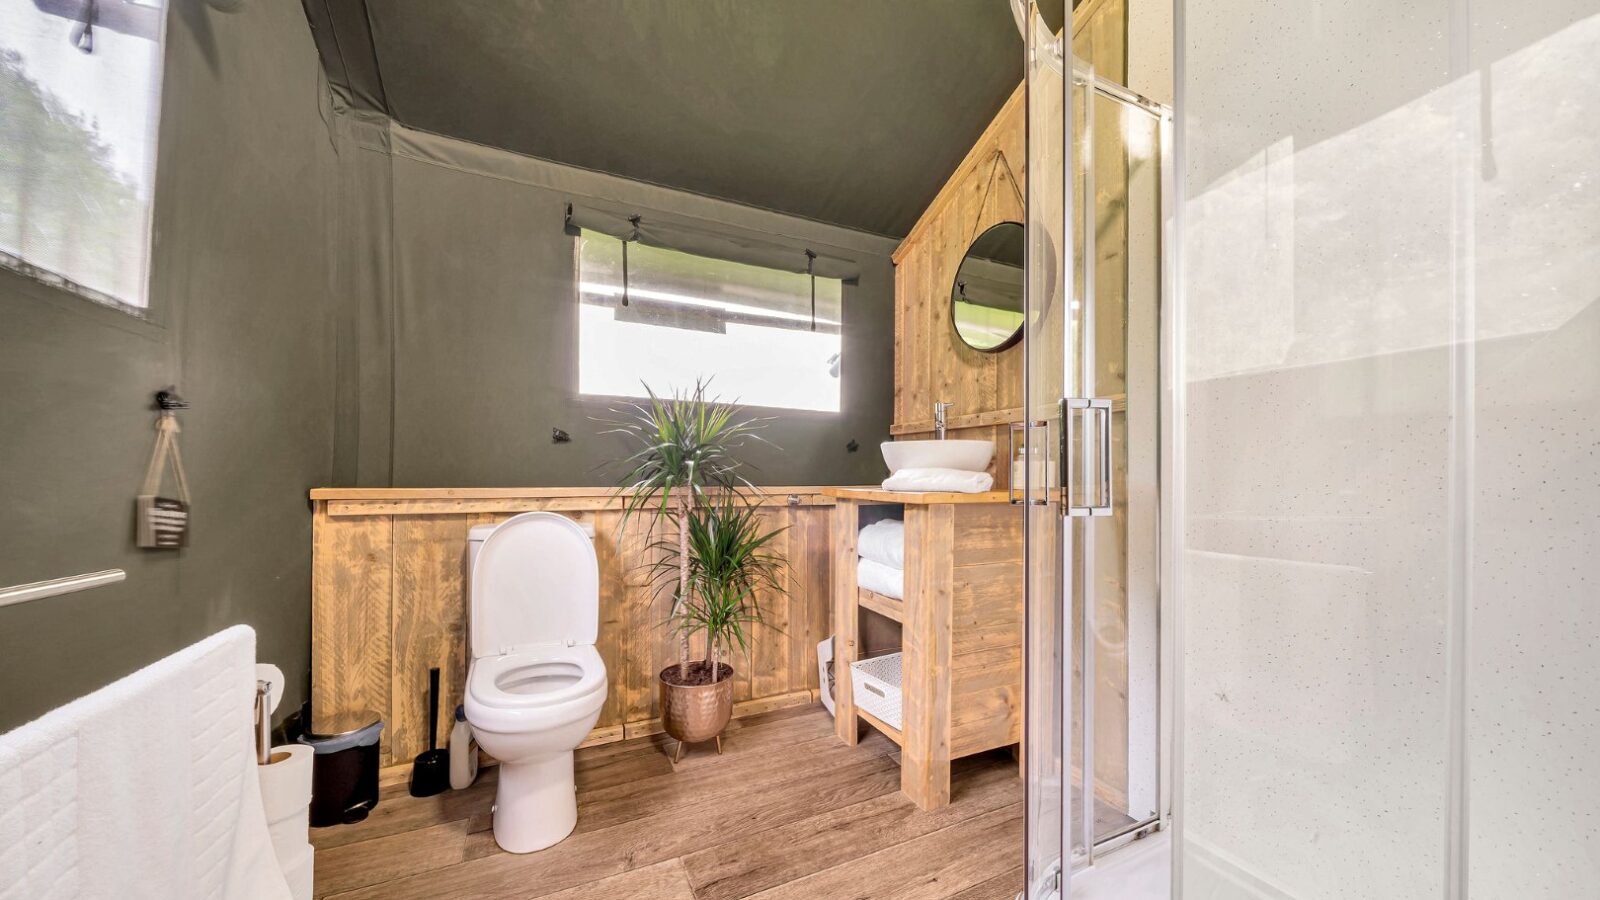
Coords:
80,94
763,336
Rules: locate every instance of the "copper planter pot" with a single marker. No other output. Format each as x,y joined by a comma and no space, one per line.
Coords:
694,713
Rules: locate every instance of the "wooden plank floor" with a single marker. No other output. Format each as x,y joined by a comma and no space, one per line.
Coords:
787,812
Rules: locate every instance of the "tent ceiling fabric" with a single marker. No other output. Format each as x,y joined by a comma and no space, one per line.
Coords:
852,112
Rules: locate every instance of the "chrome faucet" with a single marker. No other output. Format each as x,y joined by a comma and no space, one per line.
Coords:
939,408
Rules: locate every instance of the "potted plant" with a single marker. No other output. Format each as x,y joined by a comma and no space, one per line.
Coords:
683,471
730,564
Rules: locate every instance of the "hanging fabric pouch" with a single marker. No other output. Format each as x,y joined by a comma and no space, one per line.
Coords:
163,522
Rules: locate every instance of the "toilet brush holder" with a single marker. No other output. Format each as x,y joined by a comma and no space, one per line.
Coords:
430,772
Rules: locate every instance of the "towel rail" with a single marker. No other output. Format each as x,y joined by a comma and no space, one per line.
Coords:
39,590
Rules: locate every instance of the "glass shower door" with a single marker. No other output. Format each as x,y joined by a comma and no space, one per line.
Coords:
1048,273
1111,461
1092,451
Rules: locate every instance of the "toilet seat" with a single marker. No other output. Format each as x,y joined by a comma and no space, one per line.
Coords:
535,687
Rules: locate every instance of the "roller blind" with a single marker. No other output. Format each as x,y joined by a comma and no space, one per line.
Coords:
708,239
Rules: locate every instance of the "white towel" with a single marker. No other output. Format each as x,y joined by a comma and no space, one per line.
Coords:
884,541
881,579
146,788
952,481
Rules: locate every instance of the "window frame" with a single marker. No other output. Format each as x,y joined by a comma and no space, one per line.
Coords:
40,283
609,400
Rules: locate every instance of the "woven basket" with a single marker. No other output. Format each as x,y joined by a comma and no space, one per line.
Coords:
875,685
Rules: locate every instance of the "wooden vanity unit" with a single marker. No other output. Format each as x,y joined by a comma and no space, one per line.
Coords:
961,628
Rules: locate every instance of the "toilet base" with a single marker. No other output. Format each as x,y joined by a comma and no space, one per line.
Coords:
535,804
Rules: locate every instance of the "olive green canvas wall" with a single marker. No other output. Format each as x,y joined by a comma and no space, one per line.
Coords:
840,111
242,325
342,307
470,271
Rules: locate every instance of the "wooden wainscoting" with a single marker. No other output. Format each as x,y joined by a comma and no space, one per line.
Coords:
388,602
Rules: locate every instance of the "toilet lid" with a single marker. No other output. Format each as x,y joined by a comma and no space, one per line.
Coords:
536,581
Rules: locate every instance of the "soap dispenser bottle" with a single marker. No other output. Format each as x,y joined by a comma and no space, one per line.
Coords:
463,752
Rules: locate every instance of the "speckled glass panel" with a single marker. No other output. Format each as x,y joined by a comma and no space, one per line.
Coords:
1532,129
1315,562
1390,478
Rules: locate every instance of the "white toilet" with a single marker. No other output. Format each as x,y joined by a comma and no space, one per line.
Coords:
536,683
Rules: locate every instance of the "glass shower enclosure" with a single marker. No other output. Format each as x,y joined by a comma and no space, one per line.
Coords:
1098,170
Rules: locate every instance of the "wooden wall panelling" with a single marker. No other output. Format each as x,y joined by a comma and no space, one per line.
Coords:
612,641
765,669
426,628
931,361
650,644
389,601
351,588
911,388
961,376
810,621
1009,205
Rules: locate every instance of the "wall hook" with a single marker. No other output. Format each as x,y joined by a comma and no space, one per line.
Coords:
168,400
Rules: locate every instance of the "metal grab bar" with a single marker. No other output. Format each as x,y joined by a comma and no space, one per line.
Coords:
39,590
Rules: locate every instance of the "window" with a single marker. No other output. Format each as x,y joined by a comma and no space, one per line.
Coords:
748,328
80,91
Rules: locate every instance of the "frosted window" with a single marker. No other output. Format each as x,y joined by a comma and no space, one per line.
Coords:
79,109
748,329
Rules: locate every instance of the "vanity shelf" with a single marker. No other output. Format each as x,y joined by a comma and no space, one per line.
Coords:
961,629
888,607
883,728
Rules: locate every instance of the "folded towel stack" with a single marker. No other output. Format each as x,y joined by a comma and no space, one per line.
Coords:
953,481
881,569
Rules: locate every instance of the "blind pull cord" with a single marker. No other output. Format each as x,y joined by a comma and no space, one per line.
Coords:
625,242
83,31
811,258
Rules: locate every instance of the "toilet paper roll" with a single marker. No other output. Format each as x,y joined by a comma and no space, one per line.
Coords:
286,796
289,834
299,871
286,783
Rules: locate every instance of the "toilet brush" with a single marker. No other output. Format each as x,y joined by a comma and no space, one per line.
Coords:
430,773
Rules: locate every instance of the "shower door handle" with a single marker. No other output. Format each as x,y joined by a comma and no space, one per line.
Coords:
1099,411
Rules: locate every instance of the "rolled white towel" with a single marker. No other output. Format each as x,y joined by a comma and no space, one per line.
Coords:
884,541
881,579
953,481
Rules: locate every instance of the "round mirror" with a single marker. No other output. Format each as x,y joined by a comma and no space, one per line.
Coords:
986,300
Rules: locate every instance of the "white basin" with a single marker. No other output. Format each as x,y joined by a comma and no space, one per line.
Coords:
967,456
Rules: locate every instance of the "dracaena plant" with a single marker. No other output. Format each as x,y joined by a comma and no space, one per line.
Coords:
731,564
682,456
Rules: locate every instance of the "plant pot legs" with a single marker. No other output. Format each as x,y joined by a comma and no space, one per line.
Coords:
677,752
